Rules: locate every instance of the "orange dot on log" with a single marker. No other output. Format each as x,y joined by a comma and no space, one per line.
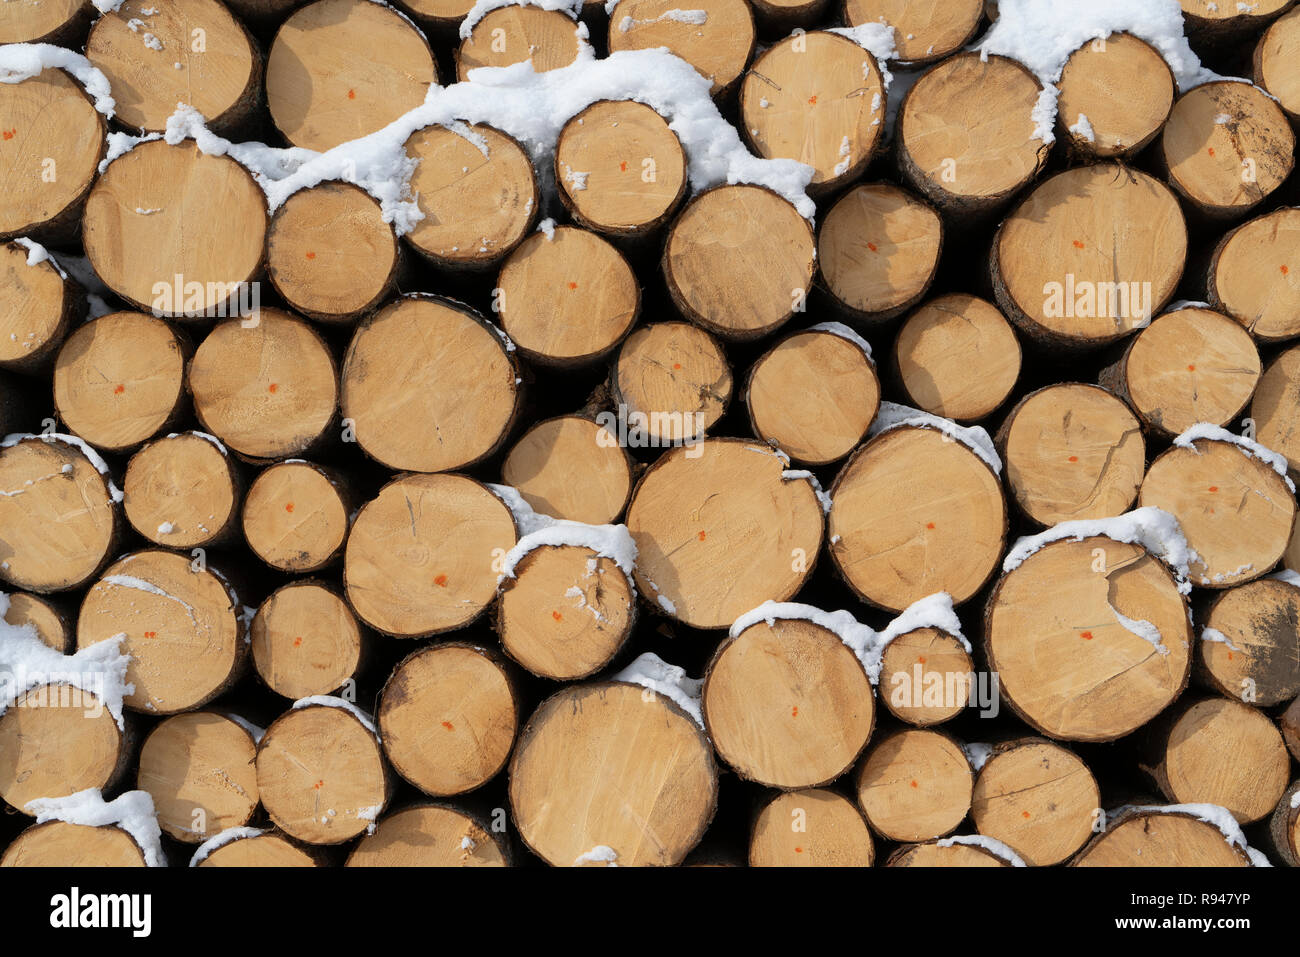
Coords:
915,785
1073,458
1284,269
1191,367
311,255
118,390
297,642
318,785
794,711
920,659
1024,814
151,634
677,365
1214,488
352,94
929,524
1211,150
812,100
871,246
449,726
1086,635
622,167
1077,244
703,536
273,388
288,506
440,581
557,616
573,285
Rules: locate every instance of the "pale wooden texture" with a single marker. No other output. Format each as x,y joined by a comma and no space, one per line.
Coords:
1123,87
264,850
719,48
514,34
924,31
1250,275
59,844
1276,408
442,14
32,21
914,785
1289,724
428,836
1261,665
305,640
1155,839
570,467
675,376
295,517
810,828
932,854
181,491
1275,62
916,672
56,740
34,313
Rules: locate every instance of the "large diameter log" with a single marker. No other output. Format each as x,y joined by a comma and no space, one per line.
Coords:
1253,650
430,835
650,804
59,22
1276,405
52,624
733,296
672,379
1092,254
1068,663
812,827
572,468
1139,838
914,785
1116,93
295,517
265,849
305,640
339,70
1284,826
718,46
514,33
926,676
1275,63
719,529
923,33
183,491
183,625
60,844
1249,276
428,385
40,305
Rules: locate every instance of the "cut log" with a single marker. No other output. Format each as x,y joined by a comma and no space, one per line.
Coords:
570,467
1038,798
330,254
913,669
1059,631
295,517
1227,147
60,514
1091,255
199,770
518,32
429,385
1289,724
788,704
923,33
810,828
54,142
478,204
1249,275
673,380
739,297
60,844
817,98
1275,63
183,491
423,556
267,389
321,774
1276,406
52,625
342,69
1236,512
970,171
60,22
779,16
1192,365
267,849
719,529
566,612
567,298
439,18
177,232
430,835
1255,655
120,379
1284,827
157,53
1116,94
1142,838
39,307
914,785
447,717
936,854
719,47
878,251
957,357
305,641
650,805
184,629
895,535
1216,24
262,13
1072,451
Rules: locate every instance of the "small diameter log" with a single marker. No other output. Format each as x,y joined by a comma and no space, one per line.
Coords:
1236,512
817,98
1067,663
1072,451
1249,277
970,171
566,612
342,69
1219,751
1275,60
1116,94
184,629
923,33
1255,655
513,34
878,251
567,298
810,828
40,305
321,774
935,854
926,677
1038,798
330,254
1284,827
813,395
266,849
60,515
423,556
60,844
788,705
120,379
478,203
439,18
54,142
295,517
1289,724
914,785
1189,366
1216,24
268,388
429,385
1091,255
1227,146
177,232
52,626
896,536
1275,408
649,804
719,529
779,16
199,770
430,835
150,51
673,380
958,357
739,297
447,716
619,168
571,467
183,491
59,22
305,640
1139,838
718,45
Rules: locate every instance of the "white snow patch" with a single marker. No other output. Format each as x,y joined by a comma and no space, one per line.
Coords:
892,415
676,14
253,730
536,530
844,332
483,7
37,254
1215,433
96,460
1209,813
166,528
651,671
1083,129
1140,627
990,844
823,497
133,812
330,701
600,854
1213,634
667,604
977,753
227,836
22,61
547,226
1286,575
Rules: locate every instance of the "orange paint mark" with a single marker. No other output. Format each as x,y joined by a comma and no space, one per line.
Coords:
1086,635
798,850
118,390
871,246
440,581
1025,815
273,388
352,94
812,100
920,659
1211,151
288,506
929,524
794,711
449,726
1230,656
677,365
622,167
1284,269
318,785
1077,244
1214,488
915,785
557,616
1073,458
9,134
297,642
1191,367
311,255
703,536
151,634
